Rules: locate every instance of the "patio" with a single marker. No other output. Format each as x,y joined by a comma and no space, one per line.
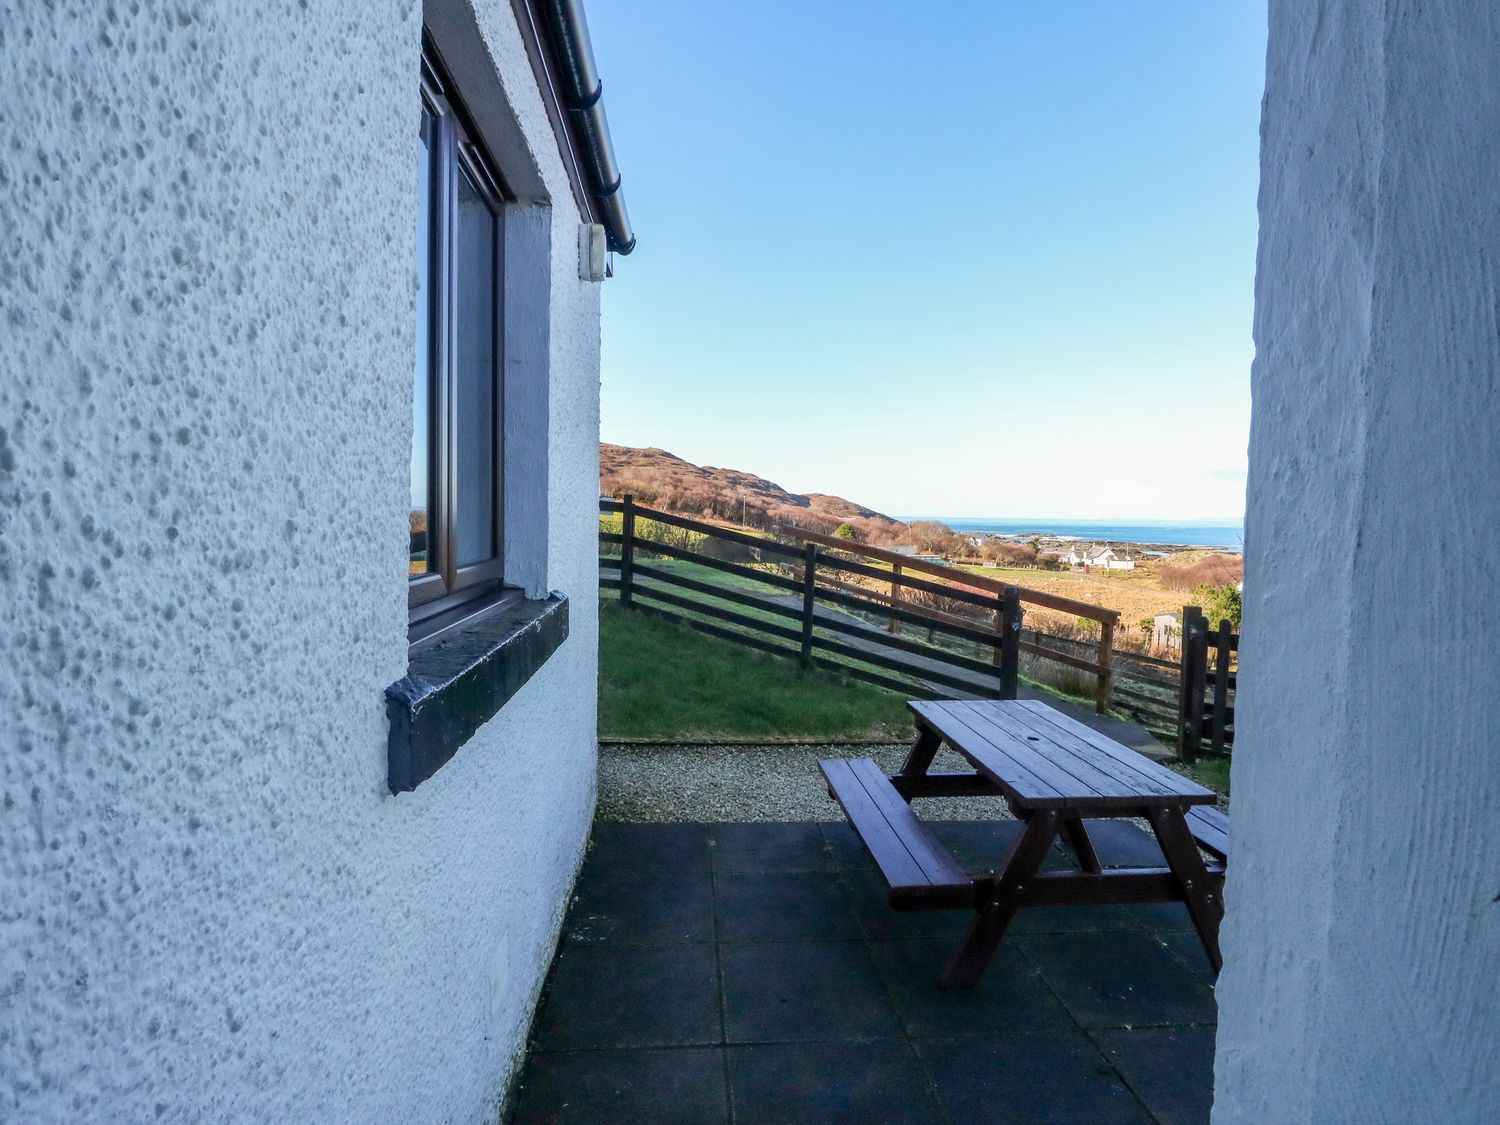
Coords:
754,973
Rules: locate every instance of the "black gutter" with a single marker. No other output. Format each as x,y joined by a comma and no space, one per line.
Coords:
584,95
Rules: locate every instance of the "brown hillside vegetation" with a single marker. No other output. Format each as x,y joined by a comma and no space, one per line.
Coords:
663,480
1215,570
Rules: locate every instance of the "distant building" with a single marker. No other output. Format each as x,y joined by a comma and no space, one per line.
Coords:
1090,555
911,553
1166,631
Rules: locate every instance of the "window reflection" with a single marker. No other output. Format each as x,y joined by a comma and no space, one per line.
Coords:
420,561
474,375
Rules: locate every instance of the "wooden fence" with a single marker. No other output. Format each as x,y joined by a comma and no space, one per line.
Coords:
1148,690
1206,706
782,579
1099,666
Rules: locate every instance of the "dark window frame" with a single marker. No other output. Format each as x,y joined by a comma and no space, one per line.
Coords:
449,594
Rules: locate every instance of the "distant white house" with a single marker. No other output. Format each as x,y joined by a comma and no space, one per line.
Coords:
911,553
1166,631
1104,557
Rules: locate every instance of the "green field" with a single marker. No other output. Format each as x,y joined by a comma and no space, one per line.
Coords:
714,577
660,679
740,583
1211,771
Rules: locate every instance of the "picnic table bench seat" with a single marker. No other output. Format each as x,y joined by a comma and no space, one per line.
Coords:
1057,776
920,871
1210,828
895,837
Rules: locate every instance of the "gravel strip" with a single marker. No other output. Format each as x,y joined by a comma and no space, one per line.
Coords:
745,783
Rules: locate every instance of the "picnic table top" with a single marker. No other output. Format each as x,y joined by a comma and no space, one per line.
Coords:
1043,759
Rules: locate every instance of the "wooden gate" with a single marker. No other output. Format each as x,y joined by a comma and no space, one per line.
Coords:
1210,665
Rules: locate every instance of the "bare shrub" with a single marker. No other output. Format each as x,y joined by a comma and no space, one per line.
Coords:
1215,570
1009,553
641,488
1058,677
933,537
729,551
668,535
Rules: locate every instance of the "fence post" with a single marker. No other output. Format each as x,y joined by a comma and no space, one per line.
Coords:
809,588
1010,642
1104,685
1194,675
999,630
627,546
895,595
1221,683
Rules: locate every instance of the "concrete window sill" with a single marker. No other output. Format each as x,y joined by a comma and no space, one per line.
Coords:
454,687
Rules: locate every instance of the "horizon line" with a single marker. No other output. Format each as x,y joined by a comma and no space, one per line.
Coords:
1215,521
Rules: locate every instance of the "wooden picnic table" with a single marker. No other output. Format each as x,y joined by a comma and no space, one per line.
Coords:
1054,773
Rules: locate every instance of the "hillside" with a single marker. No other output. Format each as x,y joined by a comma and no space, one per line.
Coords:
663,480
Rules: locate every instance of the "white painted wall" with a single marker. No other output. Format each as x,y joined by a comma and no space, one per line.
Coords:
1362,942
210,906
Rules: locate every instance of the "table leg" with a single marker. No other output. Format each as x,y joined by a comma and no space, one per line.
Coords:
1204,902
1083,848
919,758
993,917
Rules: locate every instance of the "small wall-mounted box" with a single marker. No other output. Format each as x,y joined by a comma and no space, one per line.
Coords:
593,253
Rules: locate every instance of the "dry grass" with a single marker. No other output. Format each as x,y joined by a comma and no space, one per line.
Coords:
1136,594
1214,570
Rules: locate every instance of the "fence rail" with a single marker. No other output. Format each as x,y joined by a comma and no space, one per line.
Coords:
813,596
961,585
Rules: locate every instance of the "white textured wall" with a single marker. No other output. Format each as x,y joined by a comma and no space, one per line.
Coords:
1362,942
210,907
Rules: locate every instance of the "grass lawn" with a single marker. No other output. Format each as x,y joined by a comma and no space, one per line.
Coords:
1210,771
659,679
715,578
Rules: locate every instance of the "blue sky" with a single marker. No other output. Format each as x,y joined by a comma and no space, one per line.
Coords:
977,259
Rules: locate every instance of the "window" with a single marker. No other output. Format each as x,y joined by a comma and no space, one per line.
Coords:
469,223
456,494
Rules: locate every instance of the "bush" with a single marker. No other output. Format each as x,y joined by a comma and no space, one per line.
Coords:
932,537
1220,603
670,534
1216,570
1006,553
729,551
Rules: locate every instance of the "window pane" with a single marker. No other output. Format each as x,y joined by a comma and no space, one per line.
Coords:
474,374
421,382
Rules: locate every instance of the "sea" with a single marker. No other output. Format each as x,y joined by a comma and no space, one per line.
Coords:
1219,536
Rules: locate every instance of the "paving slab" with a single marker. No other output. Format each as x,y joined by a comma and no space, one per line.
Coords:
754,973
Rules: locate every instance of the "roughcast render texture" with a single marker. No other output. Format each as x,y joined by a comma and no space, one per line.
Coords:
210,907
1362,938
